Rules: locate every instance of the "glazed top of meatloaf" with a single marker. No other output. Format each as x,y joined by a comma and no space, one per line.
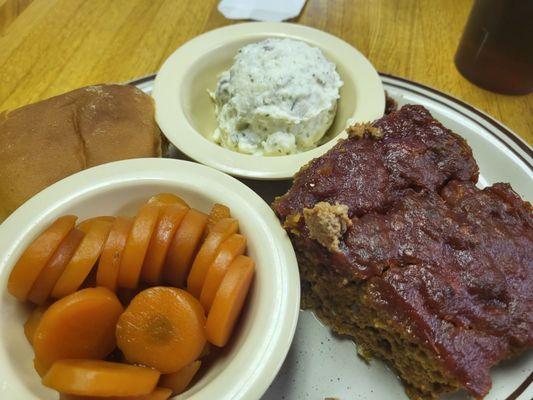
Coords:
453,262
372,169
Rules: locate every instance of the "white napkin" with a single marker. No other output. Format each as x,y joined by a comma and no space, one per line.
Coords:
261,10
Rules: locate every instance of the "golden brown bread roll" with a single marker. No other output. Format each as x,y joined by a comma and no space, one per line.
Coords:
46,141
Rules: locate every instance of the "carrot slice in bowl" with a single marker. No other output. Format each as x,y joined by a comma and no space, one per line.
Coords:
83,260
81,325
111,257
100,378
159,393
169,221
179,381
86,224
167,198
183,248
39,367
229,300
219,232
54,268
36,255
163,327
137,245
232,247
218,212
31,324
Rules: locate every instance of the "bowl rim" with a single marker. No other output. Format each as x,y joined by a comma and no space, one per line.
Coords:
172,119
41,209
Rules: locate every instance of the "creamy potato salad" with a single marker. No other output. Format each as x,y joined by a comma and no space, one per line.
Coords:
279,97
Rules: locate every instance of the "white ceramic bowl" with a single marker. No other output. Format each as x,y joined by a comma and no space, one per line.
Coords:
265,331
186,113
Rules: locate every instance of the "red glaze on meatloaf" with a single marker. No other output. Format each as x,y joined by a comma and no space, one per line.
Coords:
449,263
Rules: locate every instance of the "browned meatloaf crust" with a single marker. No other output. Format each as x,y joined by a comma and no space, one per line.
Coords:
399,249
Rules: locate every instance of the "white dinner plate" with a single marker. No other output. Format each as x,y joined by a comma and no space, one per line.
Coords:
321,364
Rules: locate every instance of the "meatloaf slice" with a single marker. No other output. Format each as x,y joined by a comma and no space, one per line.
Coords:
400,250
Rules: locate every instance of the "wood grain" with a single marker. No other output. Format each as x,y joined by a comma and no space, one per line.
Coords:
9,11
51,46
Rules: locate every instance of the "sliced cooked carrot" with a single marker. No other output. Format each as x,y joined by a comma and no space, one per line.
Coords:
83,260
232,247
159,393
137,244
100,378
183,247
178,381
169,220
41,289
167,198
81,325
229,300
86,224
163,328
36,255
219,232
218,211
30,326
109,264
39,367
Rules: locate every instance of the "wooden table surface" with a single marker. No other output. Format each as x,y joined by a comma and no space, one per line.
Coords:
51,46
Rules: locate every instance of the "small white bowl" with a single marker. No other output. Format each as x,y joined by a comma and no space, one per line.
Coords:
186,114
265,331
